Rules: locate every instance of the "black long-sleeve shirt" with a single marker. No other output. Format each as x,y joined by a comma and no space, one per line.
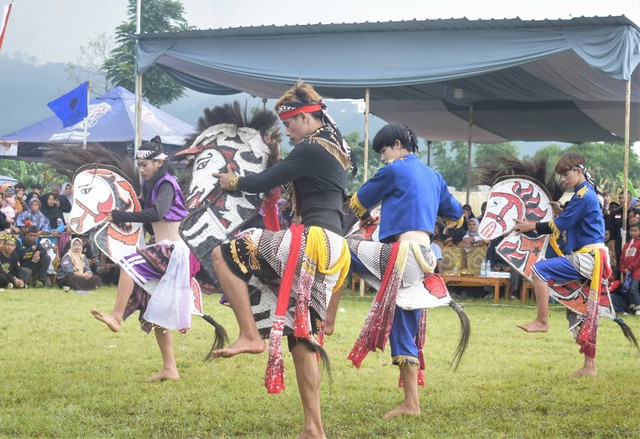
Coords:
319,179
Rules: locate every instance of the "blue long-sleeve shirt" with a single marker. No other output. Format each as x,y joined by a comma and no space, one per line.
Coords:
412,195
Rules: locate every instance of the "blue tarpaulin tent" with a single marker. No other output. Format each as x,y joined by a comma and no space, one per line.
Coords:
552,80
111,122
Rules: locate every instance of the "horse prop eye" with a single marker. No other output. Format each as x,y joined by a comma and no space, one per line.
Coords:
85,190
202,165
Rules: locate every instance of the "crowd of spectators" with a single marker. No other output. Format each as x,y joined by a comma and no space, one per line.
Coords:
38,250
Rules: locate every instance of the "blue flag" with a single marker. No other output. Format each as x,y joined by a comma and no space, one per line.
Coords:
72,107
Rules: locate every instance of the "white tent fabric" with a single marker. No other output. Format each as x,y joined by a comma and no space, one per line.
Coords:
559,80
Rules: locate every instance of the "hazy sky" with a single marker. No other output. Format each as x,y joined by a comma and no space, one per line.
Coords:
54,30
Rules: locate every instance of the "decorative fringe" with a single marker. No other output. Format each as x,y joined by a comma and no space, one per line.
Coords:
422,335
274,376
371,333
220,335
305,281
465,335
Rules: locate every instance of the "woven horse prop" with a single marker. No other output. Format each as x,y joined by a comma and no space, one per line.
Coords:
438,295
98,191
104,184
517,194
230,140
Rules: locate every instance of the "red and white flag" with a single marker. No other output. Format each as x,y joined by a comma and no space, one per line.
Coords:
3,23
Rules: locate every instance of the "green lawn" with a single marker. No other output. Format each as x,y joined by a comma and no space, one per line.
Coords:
63,374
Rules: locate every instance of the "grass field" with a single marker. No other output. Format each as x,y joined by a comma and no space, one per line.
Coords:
63,374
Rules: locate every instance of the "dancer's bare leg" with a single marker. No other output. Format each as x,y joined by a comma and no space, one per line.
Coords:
237,292
541,323
308,376
411,403
332,311
169,370
589,368
113,320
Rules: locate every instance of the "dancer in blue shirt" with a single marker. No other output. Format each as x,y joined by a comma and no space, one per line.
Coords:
412,195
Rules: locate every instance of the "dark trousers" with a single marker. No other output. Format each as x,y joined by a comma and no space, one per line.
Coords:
39,269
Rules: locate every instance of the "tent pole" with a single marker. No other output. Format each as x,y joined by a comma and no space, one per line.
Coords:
366,154
86,119
366,134
627,120
469,152
138,138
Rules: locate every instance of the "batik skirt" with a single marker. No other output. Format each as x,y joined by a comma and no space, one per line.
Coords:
162,276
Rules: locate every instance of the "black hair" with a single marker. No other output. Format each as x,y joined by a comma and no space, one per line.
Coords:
395,131
166,168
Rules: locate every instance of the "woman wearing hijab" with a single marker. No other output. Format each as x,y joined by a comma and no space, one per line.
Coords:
33,217
75,269
52,212
66,197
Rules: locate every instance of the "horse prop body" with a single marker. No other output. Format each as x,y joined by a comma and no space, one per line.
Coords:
520,197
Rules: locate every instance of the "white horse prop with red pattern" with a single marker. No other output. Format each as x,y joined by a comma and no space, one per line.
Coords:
515,195
98,190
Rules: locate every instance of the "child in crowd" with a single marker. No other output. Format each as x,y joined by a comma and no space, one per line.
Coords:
630,266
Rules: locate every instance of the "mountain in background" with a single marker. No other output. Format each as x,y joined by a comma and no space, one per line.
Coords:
26,88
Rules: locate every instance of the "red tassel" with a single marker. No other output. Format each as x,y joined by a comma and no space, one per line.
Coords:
359,352
274,377
421,378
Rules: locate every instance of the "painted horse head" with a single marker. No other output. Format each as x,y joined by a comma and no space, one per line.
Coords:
514,198
229,141
520,190
97,192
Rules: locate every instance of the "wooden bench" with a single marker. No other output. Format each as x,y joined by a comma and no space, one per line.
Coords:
526,290
478,281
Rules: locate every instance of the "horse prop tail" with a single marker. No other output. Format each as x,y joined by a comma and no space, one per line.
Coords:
220,338
465,334
628,333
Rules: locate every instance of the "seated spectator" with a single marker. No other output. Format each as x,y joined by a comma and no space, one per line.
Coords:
33,256
87,250
75,270
19,197
6,218
33,217
453,235
619,294
472,237
483,210
438,232
108,271
11,274
52,212
35,192
66,198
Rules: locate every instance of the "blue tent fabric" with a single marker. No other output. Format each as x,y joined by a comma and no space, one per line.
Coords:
578,64
111,122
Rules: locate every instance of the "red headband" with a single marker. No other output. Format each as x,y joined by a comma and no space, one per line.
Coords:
286,111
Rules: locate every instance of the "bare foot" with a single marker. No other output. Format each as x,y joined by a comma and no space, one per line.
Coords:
112,322
402,410
329,327
535,326
241,346
585,371
164,375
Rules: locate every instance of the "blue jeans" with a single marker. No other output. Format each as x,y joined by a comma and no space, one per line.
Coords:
634,294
